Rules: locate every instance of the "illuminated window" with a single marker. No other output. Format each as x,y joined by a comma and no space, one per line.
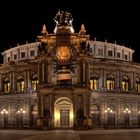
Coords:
110,82
34,82
20,83
137,85
125,83
94,82
6,85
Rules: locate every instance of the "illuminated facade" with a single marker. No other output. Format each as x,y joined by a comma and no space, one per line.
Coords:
67,80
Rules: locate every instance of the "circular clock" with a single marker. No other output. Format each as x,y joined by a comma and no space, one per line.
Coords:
63,52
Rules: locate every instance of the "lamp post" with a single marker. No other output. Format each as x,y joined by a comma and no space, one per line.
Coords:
4,112
21,111
127,113
109,112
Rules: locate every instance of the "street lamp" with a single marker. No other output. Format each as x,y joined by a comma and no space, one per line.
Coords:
127,113
109,111
4,112
21,111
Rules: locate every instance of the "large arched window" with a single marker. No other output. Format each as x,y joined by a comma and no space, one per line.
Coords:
20,83
34,82
125,83
110,82
6,85
137,84
94,82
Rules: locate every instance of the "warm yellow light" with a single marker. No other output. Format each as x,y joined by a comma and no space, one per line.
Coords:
129,111
57,117
71,115
24,111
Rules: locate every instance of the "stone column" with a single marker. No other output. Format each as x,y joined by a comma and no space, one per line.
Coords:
122,53
102,80
11,81
25,81
83,74
118,80
132,82
14,86
39,73
42,72
0,83
29,80
87,73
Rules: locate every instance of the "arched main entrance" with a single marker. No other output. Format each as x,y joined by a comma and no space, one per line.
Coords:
63,112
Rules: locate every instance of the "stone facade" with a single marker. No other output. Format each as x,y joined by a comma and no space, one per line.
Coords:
67,80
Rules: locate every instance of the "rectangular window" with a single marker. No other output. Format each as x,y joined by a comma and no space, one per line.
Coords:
125,56
23,55
118,55
109,53
100,51
32,53
15,56
8,59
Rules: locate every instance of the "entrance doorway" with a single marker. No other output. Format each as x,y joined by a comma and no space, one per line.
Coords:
64,118
63,112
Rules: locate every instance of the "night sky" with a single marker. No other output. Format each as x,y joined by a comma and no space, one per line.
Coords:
115,21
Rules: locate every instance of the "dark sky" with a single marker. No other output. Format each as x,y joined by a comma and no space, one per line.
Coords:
22,21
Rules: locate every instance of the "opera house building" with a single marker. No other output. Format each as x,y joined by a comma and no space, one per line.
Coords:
65,80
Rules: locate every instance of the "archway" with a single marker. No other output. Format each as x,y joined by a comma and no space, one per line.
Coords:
95,114
63,112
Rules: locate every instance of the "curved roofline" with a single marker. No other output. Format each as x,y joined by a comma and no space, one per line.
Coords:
19,46
112,44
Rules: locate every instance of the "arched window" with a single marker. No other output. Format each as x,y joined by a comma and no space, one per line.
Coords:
6,85
20,83
94,82
137,85
125,83
110,82
34,82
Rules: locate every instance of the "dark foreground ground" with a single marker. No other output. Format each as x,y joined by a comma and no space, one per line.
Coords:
124,134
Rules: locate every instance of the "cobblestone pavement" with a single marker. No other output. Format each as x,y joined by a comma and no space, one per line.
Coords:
125,134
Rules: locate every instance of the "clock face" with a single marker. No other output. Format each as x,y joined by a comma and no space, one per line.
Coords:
63,52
